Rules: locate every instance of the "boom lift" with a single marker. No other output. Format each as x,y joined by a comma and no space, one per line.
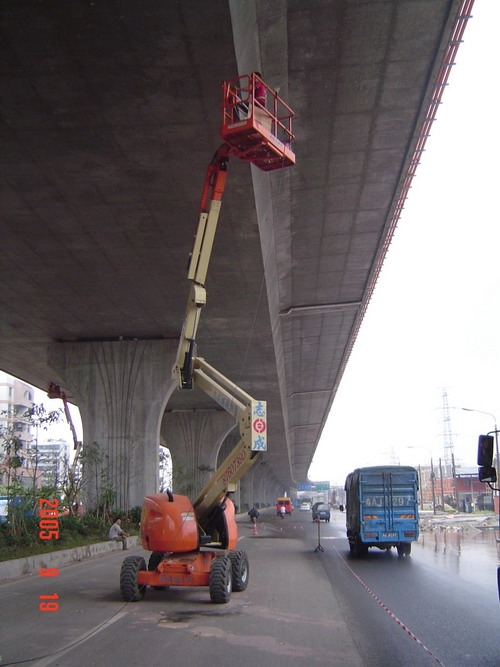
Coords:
194,544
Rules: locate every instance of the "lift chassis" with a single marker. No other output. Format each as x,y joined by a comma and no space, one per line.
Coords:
194,544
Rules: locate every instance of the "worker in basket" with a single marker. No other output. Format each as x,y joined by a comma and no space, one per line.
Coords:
243,108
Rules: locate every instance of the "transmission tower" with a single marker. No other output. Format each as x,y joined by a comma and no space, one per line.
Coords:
447,437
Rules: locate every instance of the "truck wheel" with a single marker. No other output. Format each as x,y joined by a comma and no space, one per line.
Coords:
131,591
240,570
360,549
404,549
220,580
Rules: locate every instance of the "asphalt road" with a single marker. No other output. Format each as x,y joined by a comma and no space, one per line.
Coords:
302,606
440,606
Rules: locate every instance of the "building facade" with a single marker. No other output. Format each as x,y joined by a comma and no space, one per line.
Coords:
16,397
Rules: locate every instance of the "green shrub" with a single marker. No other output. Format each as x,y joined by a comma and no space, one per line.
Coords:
134,516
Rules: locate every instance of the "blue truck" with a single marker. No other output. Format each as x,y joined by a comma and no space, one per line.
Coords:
382,508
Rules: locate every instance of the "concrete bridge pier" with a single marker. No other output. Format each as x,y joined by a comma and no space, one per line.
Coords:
121,389
259,486
199,440
194,438
248,496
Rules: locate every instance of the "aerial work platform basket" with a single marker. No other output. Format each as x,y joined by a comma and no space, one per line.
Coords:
256,123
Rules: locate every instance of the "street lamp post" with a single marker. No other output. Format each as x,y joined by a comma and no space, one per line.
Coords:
496,452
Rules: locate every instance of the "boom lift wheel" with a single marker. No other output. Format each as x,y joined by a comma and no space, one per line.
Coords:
240,570
129,587
220,580
154,560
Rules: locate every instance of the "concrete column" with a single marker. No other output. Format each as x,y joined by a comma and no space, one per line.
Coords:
248,495
270,487
258,486
121,389
194,438
261,485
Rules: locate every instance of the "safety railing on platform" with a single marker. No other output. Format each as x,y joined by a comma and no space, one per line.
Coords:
257,123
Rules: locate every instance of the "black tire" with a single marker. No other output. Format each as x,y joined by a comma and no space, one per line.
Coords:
130,589
404,549
240,570
360,549
154,560
220,580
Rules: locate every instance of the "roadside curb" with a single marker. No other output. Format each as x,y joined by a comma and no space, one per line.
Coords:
11,569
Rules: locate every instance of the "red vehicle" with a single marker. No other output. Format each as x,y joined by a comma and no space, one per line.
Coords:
286,503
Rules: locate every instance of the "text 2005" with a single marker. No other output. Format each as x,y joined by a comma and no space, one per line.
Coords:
49,530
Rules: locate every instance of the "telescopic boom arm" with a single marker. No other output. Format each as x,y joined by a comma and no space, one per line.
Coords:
190,370
213,189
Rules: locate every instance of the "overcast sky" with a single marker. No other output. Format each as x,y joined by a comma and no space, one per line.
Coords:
433,322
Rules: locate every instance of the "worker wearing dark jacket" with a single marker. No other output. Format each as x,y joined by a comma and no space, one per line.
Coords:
253,514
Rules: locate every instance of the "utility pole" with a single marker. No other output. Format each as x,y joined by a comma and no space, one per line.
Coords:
441,480
455,488
433,478
447,436
420,487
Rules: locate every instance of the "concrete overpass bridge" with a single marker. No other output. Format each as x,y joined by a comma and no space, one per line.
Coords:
110,115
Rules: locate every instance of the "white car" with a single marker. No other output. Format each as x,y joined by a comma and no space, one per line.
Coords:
305,506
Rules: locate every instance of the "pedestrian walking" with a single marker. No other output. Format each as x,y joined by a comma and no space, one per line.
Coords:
253,514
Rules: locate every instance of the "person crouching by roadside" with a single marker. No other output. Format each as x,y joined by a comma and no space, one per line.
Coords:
117,534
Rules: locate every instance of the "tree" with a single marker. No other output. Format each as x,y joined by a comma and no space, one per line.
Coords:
18,457
71,482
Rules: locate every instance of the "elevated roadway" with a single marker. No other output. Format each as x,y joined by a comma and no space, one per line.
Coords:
109,117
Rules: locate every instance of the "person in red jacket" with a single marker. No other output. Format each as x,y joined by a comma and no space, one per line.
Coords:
260,96
259,89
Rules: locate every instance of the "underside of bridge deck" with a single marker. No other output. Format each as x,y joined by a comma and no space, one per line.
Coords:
111,113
